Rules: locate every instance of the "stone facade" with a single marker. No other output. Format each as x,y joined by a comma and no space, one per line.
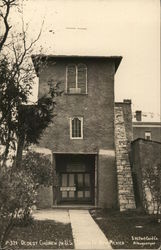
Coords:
126,197
127,116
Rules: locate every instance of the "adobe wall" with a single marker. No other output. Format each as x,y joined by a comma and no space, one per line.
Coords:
145,154
96,107
107,180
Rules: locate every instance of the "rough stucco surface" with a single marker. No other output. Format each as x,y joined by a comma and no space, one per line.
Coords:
107,182
96,108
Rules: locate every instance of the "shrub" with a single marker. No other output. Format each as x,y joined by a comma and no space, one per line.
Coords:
39,166
17,196
152,189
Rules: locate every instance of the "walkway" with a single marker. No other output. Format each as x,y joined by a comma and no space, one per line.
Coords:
59,215
86,233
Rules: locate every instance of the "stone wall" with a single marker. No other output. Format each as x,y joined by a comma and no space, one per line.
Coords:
126,197
127,115
146,158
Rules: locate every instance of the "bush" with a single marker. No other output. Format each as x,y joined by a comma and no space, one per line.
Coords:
17,196
39,166
152,189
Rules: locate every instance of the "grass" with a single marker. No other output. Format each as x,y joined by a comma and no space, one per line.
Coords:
42,234
128,230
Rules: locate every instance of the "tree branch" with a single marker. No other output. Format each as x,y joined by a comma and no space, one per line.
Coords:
8,4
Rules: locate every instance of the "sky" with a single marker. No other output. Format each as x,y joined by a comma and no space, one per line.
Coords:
127,28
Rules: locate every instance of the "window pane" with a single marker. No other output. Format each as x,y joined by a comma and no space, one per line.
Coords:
80,194
64,180
87,180
73,128
80,180
71,194
82,77
64,194
71,180
87,194
71,76
148,135
76,128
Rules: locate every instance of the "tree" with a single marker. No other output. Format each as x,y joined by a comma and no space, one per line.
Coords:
20,124
5,8
17,76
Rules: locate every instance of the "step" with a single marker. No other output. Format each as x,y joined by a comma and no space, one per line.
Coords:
77,206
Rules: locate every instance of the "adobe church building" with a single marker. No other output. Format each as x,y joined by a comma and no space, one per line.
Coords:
88,138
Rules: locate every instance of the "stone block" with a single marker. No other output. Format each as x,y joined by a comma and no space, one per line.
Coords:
130,206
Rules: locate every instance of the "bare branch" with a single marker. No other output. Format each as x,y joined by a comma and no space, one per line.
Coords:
7,4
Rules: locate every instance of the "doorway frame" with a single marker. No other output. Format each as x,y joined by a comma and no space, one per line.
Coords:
56,197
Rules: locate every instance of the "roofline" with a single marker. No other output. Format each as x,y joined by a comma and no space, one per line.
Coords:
117,59
145,140
146,123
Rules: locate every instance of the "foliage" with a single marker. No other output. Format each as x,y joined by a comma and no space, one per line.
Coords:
152,188
17,195
39,166
20,123
33,119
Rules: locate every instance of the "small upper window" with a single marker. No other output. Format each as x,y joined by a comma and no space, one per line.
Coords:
76,128
148,135
76,79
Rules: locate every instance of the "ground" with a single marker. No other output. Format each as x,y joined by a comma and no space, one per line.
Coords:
42,234
55,229
129,229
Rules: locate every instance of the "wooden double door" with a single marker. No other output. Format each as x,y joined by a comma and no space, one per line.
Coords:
76,187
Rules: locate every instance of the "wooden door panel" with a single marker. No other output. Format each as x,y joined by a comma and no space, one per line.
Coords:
81,182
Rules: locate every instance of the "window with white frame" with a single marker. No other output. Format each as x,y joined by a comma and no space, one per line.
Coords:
76,79
76,128
148,135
